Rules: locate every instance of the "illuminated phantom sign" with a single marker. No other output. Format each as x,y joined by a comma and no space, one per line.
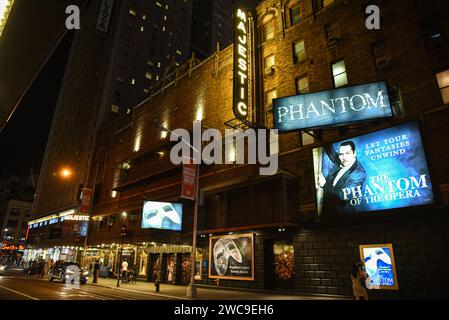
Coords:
382,170
241,55
327,108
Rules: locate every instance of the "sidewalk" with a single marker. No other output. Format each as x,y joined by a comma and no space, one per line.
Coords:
207,293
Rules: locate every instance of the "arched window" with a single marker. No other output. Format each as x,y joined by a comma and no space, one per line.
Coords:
268,27
293,13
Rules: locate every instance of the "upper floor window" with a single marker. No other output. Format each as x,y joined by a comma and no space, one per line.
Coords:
268,29
293,12
299,51
380,53
443,83
339,74
269,96
333,35
320,4
269,65
302,85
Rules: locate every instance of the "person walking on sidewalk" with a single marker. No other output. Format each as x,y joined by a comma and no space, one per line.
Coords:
358,278
96,270
124,270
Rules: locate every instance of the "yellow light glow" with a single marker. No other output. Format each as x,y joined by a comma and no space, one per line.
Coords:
5,9
137,143
66,172
114,194
199,114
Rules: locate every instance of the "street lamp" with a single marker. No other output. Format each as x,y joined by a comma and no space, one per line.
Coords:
122,236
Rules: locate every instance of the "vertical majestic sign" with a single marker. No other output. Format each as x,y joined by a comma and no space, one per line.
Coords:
105,15
241,56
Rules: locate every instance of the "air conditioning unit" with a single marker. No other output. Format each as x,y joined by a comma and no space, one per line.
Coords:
269,71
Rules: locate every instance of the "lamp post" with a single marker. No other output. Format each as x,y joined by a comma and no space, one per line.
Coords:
122,236
191,289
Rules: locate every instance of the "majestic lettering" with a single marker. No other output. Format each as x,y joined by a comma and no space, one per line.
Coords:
241,65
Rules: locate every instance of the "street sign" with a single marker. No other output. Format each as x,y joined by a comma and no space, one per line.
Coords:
85,201
188,180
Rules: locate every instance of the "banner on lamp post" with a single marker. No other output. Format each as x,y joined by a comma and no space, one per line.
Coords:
188,180
86,197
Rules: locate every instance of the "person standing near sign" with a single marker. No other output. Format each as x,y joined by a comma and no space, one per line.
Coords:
347,173
124,270
358,278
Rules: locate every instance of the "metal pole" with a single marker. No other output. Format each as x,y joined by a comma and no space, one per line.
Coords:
191,290
119,264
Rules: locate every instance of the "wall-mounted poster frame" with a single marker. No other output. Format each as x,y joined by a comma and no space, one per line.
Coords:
235,253
383,276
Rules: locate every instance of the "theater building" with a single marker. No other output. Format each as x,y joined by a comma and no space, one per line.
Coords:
266,232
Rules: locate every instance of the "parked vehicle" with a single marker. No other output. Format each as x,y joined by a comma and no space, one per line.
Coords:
60,272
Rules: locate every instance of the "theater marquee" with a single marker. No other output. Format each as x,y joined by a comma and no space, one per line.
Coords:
241,56
332,107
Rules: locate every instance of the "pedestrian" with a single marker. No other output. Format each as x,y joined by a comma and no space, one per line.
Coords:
96,270
358,277
124,270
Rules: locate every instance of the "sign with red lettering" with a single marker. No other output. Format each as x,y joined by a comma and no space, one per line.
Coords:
188,180
85,200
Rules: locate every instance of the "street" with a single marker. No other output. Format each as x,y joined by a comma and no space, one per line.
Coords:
16,287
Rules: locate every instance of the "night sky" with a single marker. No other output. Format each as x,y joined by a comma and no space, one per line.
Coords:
31,33
24,138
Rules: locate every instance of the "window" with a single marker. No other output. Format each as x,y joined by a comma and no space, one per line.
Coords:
115,109
132,12
269,65
148,75
268,30
269,96
320,4
380,53
333,35
299,52
306,139
433,33
295,15
302,85
339,74
443,83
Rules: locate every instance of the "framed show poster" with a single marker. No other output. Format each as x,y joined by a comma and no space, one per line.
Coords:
380,266
232,257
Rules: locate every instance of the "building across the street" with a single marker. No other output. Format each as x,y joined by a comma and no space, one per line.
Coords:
375,190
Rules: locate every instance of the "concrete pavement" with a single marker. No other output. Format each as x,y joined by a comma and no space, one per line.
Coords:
207,292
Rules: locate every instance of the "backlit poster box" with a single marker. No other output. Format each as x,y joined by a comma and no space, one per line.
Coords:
382,170
380,266
232,257
162,215
332,107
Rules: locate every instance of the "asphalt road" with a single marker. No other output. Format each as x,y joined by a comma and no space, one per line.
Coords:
17,287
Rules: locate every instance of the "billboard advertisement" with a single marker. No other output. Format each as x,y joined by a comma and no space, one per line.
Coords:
332,107
162,215
380,266
382,170
232,257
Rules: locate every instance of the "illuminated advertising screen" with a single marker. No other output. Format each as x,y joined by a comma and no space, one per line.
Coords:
382,170
332,107
380,266
232,257
162,215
